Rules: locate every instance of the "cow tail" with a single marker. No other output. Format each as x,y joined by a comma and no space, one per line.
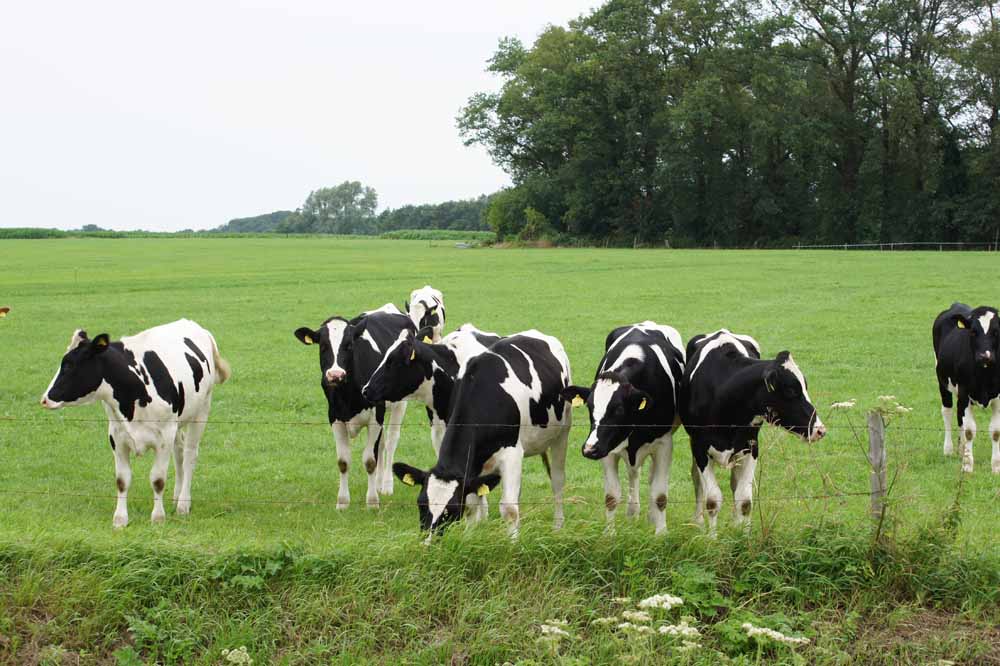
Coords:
545,462
222,369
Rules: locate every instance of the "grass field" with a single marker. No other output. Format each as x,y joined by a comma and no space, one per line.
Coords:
266,561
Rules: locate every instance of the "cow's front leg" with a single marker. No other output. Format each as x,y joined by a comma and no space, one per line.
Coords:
995,435
343,440
371,463
741,482
510,480
123,477
178,465
699,495
659,481
612,486
712,495
967,430
158,476
946,416
632,510
557,465
396,413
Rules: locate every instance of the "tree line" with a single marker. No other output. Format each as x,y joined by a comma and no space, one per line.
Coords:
749,123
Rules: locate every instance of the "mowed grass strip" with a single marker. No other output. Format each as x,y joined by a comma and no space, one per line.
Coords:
857,323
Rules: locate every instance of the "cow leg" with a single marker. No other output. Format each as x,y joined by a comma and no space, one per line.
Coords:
510,481
557,465
659,481
178,465
343,440
946,415
712,495
699,495
123,475
438,426
612,486
632,508
375,433
741,482
191,441
390,439
158,474
967,428
995,434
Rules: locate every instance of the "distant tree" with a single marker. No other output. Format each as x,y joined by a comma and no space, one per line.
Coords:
91,228
257,224
467,214
348,208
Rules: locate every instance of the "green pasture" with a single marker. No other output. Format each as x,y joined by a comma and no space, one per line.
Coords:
858,324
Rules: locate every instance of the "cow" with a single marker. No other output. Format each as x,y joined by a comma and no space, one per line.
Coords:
508,406
425,308
415,369
349,351
966,345
727,393
633,413
156,388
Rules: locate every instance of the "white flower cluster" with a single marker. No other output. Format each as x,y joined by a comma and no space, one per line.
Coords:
846,404
239,656
604,620
637,616
554,630
687,646
777,636
635,628
683,629
664,601
622,601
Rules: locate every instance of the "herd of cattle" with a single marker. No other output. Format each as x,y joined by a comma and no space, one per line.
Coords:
493,400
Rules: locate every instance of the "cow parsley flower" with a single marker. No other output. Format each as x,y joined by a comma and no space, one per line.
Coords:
635,628
846,404
683,630
239,656
777,636
886,398
687,646
637,616
603,621
551,630
622,601
664,601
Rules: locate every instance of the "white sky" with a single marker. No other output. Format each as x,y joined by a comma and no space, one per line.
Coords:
183,114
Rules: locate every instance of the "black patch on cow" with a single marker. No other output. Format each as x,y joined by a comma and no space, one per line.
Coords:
193,347
163,383
519,364
112,440
122,372
158,485
196,370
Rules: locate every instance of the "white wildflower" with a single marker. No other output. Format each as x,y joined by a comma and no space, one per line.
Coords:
664,601
846,404
635,628
550,630
605,620
623,601
683,630
637,616
557,623
239,656
887,398
903,410
687,646
777,636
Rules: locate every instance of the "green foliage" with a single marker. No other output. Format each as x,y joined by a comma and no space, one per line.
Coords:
454,215
438,234
348,208
256,224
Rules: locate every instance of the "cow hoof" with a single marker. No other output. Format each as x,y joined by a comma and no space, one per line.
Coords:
967,467
996,465
158,517
183,507
386,489
949,449
343,503
372,502
120,521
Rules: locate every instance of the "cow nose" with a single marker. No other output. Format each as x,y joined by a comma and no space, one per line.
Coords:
334,375
819,432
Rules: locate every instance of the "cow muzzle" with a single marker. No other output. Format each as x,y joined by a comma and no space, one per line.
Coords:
334,376
49,404
985,359
818,431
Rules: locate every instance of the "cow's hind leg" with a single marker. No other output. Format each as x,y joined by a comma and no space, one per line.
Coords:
699,495
375,436
390,440
178,465
967,431
557,458
510,481
659,481
946,416
712,495
158,474
123,475
191,441
995,435
741,482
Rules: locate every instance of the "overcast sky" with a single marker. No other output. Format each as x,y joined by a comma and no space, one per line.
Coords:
186,114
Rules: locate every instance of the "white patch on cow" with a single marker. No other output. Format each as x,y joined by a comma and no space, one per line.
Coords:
439,493
535,388
794,369
724,338
76,340
632,352
604,390
336,328
464,345
669,332
984,321
398,341
723,458
423,300
388,308
367,337
662,358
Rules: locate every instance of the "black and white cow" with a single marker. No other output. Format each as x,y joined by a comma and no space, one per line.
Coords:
728,392
633,413
508,406
966,345
426,310
349,352
413,369
156,388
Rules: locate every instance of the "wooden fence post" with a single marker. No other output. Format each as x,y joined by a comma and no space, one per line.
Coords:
876,458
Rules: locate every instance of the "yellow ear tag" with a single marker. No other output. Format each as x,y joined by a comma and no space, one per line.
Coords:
413,355
3,313
577,401
483,490
308,339
101,342
427,339
642,405
960,324
408,479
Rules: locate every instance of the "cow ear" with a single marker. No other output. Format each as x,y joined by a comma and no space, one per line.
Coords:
783,356
306,335
78,338
639,399
575,395
426,334
482,485
770,376
963,322
409,475
99,344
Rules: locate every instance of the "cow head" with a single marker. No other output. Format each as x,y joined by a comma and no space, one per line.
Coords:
786,399
403,368
80,373
442,502
425,308
614,405
335,338
984,335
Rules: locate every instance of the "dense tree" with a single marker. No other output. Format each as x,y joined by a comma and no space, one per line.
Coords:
348,208
464,215
256,224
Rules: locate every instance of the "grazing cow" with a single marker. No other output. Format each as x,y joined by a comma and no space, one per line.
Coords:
426,310
728,392
349,352
157,391
633,412
966,345
413,369
509,405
